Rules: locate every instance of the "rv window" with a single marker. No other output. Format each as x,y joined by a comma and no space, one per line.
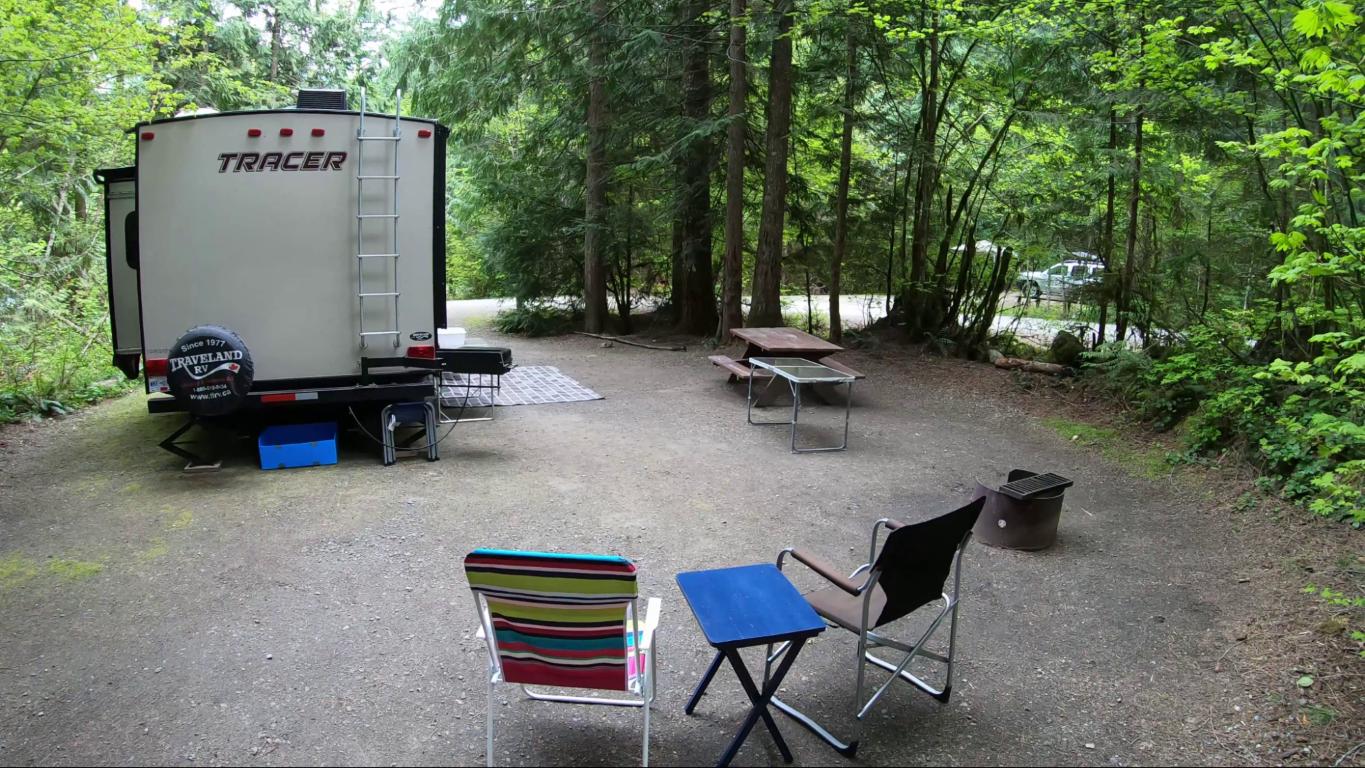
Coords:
130,239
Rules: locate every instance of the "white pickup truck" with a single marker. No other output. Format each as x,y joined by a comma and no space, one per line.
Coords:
1063,280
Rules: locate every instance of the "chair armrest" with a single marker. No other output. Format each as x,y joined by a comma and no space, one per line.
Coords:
891,525
827,570
651,623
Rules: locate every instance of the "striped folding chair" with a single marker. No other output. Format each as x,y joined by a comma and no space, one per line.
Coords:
564,621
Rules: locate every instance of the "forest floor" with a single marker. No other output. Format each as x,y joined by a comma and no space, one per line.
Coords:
321,615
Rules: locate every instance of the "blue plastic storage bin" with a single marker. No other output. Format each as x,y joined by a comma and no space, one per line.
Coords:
298,445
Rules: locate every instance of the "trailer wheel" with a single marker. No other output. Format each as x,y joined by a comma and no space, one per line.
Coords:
210,370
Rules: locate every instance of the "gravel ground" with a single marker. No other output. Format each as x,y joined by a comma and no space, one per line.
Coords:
321,615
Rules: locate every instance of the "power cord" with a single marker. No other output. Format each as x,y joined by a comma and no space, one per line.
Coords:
464,404
359,425
414,449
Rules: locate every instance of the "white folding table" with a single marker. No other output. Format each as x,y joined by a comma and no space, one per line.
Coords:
797,371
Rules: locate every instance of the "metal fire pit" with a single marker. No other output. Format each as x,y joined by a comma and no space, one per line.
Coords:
1023,513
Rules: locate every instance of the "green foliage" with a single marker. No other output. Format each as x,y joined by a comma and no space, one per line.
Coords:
55,352
247,54
467,275
72,77
73,570
510,80
1143,461
536,319
1300,423
1282,382
796,316
1164,391
1351,608
1010,345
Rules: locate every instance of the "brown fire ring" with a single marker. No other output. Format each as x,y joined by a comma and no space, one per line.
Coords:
1013,524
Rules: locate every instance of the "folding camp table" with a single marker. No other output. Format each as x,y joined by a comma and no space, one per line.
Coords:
797,371
744,607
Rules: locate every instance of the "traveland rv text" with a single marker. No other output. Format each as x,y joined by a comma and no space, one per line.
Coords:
280,161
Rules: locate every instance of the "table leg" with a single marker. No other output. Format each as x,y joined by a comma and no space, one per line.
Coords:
760,701
705,681
848,409
749,399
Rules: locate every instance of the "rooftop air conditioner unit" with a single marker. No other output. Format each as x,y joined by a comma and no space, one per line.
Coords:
322,98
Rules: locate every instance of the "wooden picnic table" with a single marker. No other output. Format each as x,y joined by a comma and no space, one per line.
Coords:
784,342
779,342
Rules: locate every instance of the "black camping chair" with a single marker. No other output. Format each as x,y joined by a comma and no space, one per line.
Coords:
911,572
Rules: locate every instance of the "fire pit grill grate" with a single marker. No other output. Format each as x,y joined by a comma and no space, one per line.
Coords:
1033,485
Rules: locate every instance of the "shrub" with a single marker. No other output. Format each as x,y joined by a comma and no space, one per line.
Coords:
1299,423
536,319
55,353
796,318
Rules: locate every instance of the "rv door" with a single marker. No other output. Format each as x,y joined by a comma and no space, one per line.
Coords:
121,263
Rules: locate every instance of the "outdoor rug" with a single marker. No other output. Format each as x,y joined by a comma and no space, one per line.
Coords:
523,385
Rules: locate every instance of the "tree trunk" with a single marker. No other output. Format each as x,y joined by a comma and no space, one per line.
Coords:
1122,306
623,295
1206,278
594,270
939,313
964,272
905,205
810,305
924,186
732,307
994,288
677,291
697,313
1107,242
836,330
891,243
274,45
767,303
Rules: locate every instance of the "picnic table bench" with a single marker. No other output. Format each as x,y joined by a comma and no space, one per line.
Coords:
778,342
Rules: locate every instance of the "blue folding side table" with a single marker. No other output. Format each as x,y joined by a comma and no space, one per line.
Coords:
744,607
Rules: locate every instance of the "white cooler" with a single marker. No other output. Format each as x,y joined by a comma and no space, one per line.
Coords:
450,338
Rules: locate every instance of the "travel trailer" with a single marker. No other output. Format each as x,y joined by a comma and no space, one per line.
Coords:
281,256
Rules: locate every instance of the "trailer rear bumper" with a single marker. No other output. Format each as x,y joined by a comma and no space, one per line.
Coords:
271,396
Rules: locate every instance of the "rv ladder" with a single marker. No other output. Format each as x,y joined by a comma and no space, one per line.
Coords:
388,292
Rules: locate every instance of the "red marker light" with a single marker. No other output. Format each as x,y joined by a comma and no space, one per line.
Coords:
253,132
319,132
156,366
424,133
148,135
286,131
422,352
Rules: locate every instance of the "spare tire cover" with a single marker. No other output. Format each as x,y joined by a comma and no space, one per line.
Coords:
209,370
